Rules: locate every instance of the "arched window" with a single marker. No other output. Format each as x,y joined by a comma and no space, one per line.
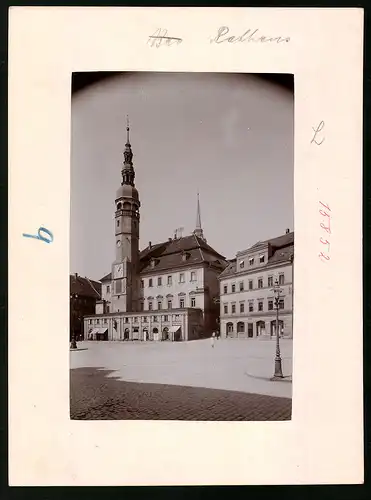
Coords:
126,206
229,327
240,327
119,206
155,330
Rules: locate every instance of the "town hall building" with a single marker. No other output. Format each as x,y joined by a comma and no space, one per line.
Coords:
168,291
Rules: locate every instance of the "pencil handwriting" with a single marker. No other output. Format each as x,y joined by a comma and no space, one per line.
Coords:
161,38
316,131
250,35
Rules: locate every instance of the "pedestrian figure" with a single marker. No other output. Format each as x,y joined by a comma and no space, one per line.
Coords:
212,339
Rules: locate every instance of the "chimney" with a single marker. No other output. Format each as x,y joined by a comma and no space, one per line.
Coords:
170,239
150,245
287,231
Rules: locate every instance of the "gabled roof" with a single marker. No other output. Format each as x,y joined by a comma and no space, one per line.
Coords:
85,287
169,254
282,251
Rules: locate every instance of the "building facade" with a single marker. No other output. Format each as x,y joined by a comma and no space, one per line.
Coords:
84,294
247,299
168,291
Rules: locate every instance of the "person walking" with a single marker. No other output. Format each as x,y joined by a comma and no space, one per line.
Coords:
213,339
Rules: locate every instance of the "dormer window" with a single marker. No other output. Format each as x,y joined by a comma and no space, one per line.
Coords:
242,264
251,261
153,262
261,259
185,256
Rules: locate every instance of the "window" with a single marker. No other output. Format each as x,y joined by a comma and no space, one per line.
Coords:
233,288
118,223
108,289
270,305
270,280
233,308
169,280
242,307
159,281
242,264
118,286
281,279
108,309
144,319
150,306
251,307
89,321
136,319
155,319
150,282
141,306
260,283
193,276
250,284
251,261
141,284
181,303
169,304
166,318
193,302
225,289
282,304
181,278
159,304
241,286
225,308
261,259
126,320
260,306
177,316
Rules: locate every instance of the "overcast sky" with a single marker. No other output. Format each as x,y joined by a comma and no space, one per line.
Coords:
230,137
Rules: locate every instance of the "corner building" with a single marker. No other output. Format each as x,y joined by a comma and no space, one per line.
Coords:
168,291
247,308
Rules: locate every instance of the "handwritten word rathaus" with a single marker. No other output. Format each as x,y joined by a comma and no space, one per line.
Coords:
160,37
250,35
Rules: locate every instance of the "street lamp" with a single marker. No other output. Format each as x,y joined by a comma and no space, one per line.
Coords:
277,361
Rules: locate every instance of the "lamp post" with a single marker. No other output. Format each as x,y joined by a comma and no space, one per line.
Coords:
277,361
73,344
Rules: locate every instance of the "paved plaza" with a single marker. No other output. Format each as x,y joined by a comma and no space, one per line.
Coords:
180,380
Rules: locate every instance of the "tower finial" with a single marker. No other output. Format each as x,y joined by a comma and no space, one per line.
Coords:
198,231
127,130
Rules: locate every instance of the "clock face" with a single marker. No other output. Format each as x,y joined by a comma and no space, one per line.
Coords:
119,271
118,243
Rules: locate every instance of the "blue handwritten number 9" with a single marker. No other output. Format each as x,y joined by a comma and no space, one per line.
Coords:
39,236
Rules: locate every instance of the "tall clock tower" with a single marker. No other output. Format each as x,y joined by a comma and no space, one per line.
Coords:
125,269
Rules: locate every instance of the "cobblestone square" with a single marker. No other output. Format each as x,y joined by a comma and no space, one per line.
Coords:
180,380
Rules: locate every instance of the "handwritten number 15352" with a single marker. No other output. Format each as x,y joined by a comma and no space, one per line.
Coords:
324,255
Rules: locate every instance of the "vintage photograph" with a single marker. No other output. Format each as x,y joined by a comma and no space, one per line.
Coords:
181,246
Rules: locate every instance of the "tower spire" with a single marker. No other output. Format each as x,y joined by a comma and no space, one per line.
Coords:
128,174
127,130
198,231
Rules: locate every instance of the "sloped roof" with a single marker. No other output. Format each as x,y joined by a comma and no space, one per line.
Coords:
282,250
169,255
85,287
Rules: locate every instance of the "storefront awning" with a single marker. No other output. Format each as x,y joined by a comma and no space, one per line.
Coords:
101,330
174,329
94,330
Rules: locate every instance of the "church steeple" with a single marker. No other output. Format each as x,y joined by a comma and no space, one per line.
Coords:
128,174
198,231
